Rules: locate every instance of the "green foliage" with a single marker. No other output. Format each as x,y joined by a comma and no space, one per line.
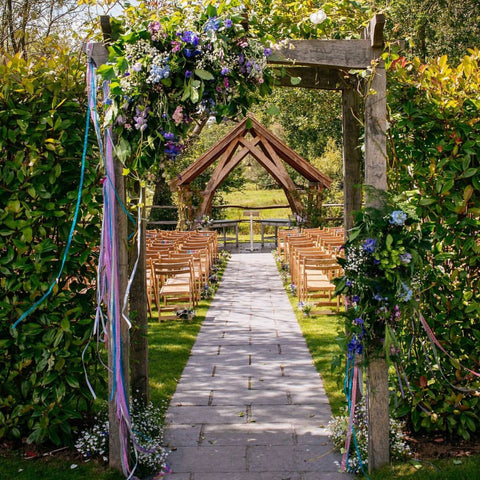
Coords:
42,120
382,264
435,129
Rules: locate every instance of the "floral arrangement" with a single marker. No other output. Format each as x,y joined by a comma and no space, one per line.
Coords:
168,69
205,221
306,308
382,265
148,427
338,426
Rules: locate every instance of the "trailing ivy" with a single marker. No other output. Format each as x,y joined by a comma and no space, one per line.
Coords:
435,155
42,123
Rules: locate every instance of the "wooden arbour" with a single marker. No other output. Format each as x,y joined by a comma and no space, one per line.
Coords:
249,137
321,64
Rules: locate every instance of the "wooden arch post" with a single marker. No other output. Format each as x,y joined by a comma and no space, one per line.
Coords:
324,64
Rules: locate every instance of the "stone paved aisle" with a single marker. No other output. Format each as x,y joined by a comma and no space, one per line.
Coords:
250,404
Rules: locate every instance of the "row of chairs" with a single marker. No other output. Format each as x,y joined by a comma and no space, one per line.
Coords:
311,255
179,265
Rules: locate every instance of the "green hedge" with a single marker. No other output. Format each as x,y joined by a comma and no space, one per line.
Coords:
435,132
42,125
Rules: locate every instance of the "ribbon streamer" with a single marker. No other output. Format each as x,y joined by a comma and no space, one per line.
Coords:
435,341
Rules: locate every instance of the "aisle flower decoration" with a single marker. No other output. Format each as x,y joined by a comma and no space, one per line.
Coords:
170,70
382,262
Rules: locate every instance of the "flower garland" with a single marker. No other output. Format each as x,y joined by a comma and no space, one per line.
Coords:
382,265
166,72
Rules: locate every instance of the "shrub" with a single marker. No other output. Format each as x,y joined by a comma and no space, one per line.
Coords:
42,122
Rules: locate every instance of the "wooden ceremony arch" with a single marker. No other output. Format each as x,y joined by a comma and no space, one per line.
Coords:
266,148
321,64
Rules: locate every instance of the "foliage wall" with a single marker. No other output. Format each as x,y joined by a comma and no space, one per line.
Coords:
42,123
435,158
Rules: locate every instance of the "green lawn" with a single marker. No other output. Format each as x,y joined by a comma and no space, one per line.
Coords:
170,343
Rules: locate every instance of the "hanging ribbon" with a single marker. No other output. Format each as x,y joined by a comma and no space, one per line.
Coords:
74,221
435,341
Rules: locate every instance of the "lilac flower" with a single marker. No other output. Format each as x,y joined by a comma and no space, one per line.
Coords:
213,23
398,218
267,52
369,245
141,119
227,23
406,257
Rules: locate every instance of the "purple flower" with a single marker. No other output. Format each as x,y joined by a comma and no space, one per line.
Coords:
356,298
187,36
188,74
348,283
359,321
355,346
378,297
137,67
369,245
169,136
225,71
267,52
227,23
172,149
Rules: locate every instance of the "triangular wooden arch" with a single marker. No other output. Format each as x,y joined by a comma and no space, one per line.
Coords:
267,149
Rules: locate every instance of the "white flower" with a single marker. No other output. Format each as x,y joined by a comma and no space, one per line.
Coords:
318,17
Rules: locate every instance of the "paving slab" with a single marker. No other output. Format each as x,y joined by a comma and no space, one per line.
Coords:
250,405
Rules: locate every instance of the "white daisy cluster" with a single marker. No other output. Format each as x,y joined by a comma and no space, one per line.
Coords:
147,429
399,448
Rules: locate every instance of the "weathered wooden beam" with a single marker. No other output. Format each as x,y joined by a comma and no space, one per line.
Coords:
138,306
99,54
348,54
317,78
352,157
376,176
209,157
374,31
